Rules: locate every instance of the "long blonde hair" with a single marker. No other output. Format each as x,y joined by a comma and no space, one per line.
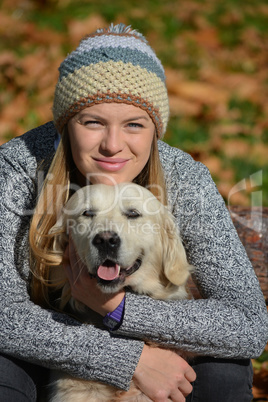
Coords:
56,190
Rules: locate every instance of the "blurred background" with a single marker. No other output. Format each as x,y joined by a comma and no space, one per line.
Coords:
215,53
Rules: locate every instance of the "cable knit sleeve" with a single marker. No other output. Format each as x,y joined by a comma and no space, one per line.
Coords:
231,319
27,331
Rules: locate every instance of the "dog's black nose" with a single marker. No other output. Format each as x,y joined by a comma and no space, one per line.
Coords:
107,240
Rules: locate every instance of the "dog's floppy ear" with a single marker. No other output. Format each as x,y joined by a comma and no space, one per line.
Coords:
175,265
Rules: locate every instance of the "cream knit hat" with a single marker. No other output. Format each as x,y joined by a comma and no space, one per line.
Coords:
112,65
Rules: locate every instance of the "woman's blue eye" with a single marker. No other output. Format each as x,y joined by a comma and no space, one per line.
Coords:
135,125
92,122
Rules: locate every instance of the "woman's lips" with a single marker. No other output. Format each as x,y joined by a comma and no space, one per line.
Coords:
111,164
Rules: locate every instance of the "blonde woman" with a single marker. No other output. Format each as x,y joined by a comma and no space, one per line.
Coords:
110,113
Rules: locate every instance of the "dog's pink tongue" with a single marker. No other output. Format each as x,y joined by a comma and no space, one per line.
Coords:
108,273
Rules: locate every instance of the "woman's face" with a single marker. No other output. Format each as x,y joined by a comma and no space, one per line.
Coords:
110,142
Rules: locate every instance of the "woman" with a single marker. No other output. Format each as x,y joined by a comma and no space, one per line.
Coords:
110,108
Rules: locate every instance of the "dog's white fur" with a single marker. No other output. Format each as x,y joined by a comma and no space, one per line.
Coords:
147,234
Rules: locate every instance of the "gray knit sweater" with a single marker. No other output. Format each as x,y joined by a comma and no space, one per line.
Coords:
231,321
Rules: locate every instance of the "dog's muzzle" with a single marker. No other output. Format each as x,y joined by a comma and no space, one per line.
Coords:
107,243
109,271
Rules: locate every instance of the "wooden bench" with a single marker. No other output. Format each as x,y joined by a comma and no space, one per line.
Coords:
252,227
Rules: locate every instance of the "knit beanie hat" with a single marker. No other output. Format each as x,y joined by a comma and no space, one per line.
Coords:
115,64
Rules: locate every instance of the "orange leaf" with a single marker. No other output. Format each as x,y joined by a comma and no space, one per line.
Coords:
201,92
79,28
183,107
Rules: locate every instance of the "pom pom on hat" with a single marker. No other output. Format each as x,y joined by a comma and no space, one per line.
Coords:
114,64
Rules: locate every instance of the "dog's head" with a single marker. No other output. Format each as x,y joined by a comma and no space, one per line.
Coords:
125,237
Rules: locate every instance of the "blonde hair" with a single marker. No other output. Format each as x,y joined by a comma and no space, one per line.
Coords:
56,191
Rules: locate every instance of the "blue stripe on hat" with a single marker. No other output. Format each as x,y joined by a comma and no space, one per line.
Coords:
106,54
104,41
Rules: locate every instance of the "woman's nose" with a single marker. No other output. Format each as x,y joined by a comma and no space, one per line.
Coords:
112,141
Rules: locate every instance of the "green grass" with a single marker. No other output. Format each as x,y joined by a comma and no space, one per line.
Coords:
186,134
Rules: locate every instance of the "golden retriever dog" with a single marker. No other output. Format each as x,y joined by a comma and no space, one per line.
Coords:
126,238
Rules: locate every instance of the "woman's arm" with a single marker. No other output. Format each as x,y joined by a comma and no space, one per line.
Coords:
231,320
27,331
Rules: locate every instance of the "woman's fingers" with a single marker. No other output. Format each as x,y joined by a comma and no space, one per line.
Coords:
163,375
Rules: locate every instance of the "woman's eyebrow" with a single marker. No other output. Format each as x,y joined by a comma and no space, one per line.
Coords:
137,118
91,115
98,117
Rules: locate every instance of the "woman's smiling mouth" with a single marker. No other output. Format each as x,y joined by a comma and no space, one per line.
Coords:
111,164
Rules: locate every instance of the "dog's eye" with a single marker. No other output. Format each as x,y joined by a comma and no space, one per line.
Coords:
89,213
132,214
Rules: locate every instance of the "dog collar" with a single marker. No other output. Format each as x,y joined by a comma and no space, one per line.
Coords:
113,320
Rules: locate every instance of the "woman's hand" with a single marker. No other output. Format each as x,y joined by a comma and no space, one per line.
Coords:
84,288
162,375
